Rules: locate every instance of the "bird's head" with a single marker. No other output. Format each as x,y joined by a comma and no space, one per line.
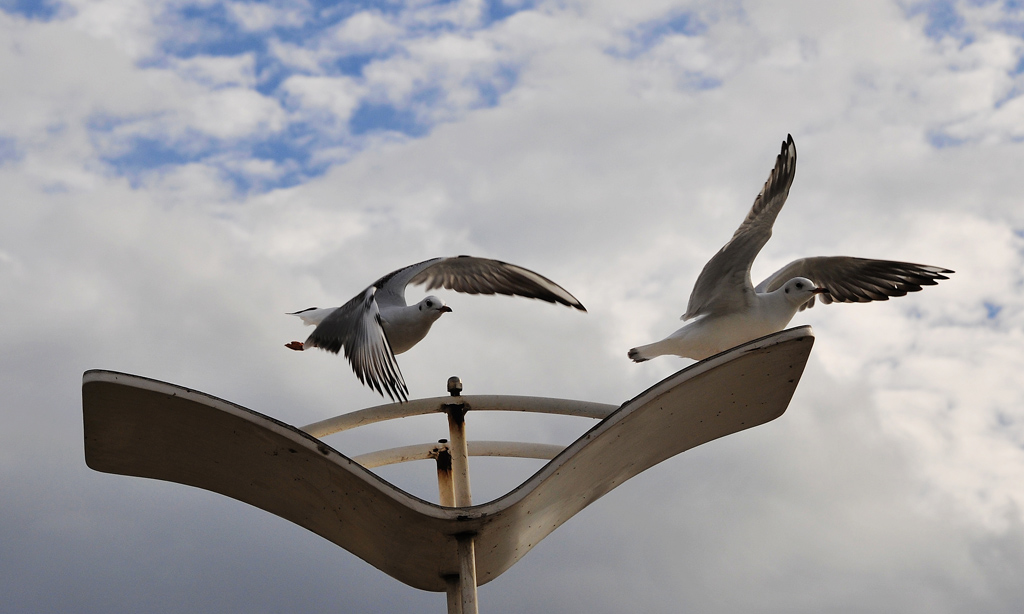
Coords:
432,304
799,290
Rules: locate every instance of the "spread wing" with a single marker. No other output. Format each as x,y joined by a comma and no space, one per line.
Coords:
724,284
477,276
856,280
356,327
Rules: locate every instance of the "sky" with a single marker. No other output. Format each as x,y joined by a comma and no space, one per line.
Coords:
177,175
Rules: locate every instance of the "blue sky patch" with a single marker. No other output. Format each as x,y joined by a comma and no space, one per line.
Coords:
196,29
645,36
941,140
501,81
941,20
685,23
246,184
8,150
40,10
352,65
650,33
208,31
371,116
497,10
144,153
291,146
291,156
992,310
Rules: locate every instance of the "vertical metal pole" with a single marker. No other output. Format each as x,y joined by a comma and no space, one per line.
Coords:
459,449
446,491
462,593
467,572
454,592
445,486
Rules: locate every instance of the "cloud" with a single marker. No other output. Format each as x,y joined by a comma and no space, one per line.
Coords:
180,176
337,97
218,72
258,17
366,32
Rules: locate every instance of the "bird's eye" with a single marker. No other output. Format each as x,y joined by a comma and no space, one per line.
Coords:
799,285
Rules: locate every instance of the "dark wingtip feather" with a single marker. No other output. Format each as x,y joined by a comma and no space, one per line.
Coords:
295,313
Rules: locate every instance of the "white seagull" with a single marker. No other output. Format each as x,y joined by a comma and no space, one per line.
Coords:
728,310
377,323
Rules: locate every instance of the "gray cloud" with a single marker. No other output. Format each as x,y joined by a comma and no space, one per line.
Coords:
891,484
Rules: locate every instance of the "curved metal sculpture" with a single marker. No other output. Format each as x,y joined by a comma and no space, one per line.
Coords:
142,427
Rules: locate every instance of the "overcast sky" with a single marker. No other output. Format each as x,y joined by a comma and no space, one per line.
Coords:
175,175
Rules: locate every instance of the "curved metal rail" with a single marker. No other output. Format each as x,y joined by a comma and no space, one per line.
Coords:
475,402
427,451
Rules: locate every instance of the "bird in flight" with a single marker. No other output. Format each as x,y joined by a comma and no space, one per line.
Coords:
727,310
377,323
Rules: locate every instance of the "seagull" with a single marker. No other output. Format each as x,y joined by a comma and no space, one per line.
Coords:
377,323
727,310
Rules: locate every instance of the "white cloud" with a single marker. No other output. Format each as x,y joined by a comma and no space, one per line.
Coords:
894,476
337,95
459,14
234,113
296,57
365,31
257,17
218,71
131,25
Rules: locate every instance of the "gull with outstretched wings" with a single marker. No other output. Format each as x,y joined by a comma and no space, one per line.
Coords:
727,309
377,323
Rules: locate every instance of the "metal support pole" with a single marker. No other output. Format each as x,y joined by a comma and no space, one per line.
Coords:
454,592
461,589
445,486
462,594
467,572
459,450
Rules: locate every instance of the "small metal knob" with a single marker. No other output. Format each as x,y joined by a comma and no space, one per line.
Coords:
455,385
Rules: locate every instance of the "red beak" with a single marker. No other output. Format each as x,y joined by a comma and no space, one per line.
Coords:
820,291
445,308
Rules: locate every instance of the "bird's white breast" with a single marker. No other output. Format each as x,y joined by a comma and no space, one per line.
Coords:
406,326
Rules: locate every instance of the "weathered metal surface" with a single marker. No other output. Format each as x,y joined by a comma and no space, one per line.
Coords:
459,449
425,451
475,402
141,427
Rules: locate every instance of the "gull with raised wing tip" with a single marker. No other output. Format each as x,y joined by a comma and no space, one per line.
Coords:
377,323
727,309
